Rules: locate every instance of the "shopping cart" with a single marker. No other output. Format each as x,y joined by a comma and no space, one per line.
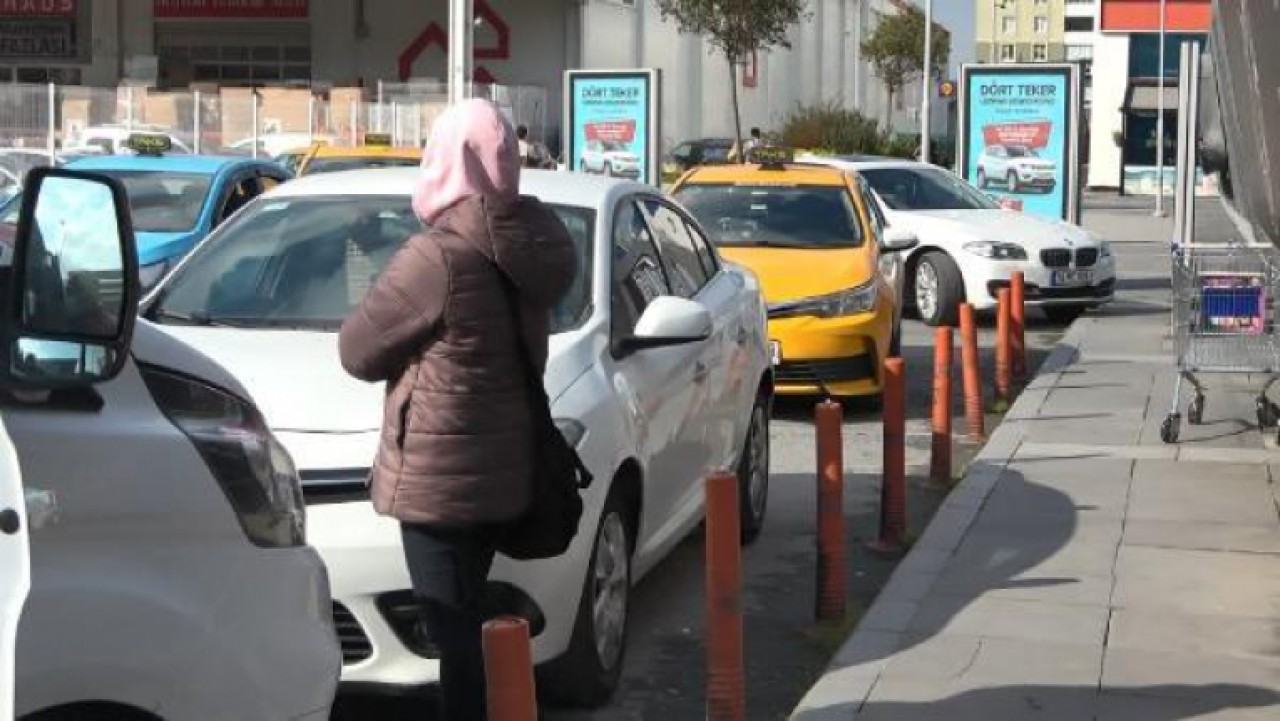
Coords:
1224,321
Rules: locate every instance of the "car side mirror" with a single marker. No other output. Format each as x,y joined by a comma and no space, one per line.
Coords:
74,290
669,321
899,240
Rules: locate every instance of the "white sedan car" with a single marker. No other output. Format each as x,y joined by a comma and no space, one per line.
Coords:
970,247
658,371
1017,168
613,159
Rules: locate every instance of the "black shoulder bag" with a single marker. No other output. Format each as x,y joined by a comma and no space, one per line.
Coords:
557,474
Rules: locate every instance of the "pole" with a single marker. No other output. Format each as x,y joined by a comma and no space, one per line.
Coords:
355,123
311,117
508,669
830,599
128,111
994,3
726,684
1160,121
197,121
893,488
461,27
925,125
940,459
52,140
257,120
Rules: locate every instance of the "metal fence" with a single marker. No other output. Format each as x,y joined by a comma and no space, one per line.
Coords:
62,120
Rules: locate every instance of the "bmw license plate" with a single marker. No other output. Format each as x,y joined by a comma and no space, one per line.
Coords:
775,352
1071,278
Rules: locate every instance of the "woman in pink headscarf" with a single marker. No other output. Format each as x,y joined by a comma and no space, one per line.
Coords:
442,327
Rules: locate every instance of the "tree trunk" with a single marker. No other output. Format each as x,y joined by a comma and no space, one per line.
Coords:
737,112
888,113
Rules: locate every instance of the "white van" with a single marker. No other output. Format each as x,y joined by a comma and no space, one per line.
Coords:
168,572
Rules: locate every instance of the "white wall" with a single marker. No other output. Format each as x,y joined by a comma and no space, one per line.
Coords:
1110,81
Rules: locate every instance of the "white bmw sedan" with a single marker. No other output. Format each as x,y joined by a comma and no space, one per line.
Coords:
970,247
658,371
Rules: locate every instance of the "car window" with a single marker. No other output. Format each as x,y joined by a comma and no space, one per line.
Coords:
242,191
638,275
706,254
335,165
163,201
682,151
873,209
680,257
925,188
307,263
803,216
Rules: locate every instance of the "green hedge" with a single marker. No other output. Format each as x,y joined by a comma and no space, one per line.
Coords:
830,129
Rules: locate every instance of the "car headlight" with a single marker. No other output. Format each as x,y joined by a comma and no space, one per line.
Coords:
149,275
862,299
996,251
572,430
252,468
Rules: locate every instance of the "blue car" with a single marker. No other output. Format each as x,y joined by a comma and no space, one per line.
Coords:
176,200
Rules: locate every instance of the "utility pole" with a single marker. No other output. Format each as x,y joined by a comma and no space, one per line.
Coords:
925,124
1160,121
461,24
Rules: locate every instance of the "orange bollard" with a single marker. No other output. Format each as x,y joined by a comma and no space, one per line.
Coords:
726,682
1004,371
940,459
830,606
972,377
508,670
893,489
1018,325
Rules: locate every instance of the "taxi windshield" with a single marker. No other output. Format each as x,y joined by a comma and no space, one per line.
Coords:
163,201
335,165
783,216
307,262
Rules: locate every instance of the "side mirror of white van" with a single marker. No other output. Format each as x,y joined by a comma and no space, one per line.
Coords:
74,283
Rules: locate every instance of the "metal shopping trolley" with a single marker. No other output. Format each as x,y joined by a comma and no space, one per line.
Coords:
1224,321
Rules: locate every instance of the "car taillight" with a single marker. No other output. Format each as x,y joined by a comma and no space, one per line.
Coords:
253,469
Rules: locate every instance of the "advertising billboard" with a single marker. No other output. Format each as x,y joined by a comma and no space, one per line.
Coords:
613,123
1019,137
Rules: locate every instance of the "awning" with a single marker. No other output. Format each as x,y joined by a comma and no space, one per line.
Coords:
1146,98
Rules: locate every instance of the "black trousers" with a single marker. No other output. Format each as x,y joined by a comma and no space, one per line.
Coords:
449,570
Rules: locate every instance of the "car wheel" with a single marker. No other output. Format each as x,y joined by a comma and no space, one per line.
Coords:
1012,181
939,289
753,471
587,675
982,178
1063,314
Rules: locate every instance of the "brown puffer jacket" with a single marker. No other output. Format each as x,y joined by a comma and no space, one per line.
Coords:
437,327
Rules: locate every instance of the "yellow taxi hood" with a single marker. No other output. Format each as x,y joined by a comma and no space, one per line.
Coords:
792,273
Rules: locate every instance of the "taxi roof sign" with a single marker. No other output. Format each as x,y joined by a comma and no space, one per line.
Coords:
382,140
770,157
149,143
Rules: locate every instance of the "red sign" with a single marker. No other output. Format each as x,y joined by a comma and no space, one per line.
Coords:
1144,15
619,131
1034,134
37,8
231,8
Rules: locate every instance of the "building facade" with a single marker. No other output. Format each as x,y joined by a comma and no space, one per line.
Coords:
1020,31
345,43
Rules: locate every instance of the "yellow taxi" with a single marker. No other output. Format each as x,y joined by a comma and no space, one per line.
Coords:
830,268
376,152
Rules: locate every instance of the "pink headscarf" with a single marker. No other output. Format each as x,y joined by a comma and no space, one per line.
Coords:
472,151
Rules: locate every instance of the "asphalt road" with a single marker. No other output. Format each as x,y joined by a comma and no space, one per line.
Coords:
663,676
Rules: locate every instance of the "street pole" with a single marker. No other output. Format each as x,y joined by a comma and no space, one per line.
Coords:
925,125
994,3
1160,121
461,24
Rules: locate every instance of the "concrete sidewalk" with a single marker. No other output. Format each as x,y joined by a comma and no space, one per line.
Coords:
1083,570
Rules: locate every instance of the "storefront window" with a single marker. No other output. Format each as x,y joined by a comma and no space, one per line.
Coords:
1144,53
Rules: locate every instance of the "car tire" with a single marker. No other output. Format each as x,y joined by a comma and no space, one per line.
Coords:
1063,314
587,674
938,288
753,470
1011,180
982,178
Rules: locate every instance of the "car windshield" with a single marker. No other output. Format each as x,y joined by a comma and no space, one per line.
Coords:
614,147
306,263
807,216
925,189
335,165
1019,151
162,201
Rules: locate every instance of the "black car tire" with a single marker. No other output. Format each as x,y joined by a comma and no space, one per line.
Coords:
950,290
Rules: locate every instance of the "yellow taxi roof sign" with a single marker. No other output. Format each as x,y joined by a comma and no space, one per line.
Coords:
771,156
381,140
149,143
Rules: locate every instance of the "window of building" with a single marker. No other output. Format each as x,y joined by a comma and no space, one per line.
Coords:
1009,25
1079,24
1042,25
1144,53
1079,52
1040,52
266,55
1008,53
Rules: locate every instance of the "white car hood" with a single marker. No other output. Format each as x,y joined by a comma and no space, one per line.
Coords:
951,227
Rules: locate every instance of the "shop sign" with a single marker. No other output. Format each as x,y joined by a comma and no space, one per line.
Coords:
1020,140
620,109
231,8
33,39
37,8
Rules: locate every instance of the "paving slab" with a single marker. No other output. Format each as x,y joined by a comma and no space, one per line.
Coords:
1102,429
1210,492
1205,677
1244,703
1198,582
1203,536
1156,630
1003,618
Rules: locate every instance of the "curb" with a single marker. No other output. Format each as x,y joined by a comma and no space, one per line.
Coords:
853,672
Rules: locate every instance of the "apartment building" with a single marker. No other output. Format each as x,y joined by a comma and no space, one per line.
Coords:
1020,31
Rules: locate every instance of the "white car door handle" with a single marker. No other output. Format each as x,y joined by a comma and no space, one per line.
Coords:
42,507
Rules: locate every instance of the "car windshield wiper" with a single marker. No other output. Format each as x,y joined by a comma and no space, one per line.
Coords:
194,319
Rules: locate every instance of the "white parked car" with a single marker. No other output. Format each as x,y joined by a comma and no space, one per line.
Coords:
606,157
168,572
970,246
113,139
1017,168
655,391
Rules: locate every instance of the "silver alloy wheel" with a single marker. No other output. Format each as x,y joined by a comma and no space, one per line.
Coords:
758,462
610,588
927,290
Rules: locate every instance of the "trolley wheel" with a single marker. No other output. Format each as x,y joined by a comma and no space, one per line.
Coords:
1195,413
1170,428
1267,414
